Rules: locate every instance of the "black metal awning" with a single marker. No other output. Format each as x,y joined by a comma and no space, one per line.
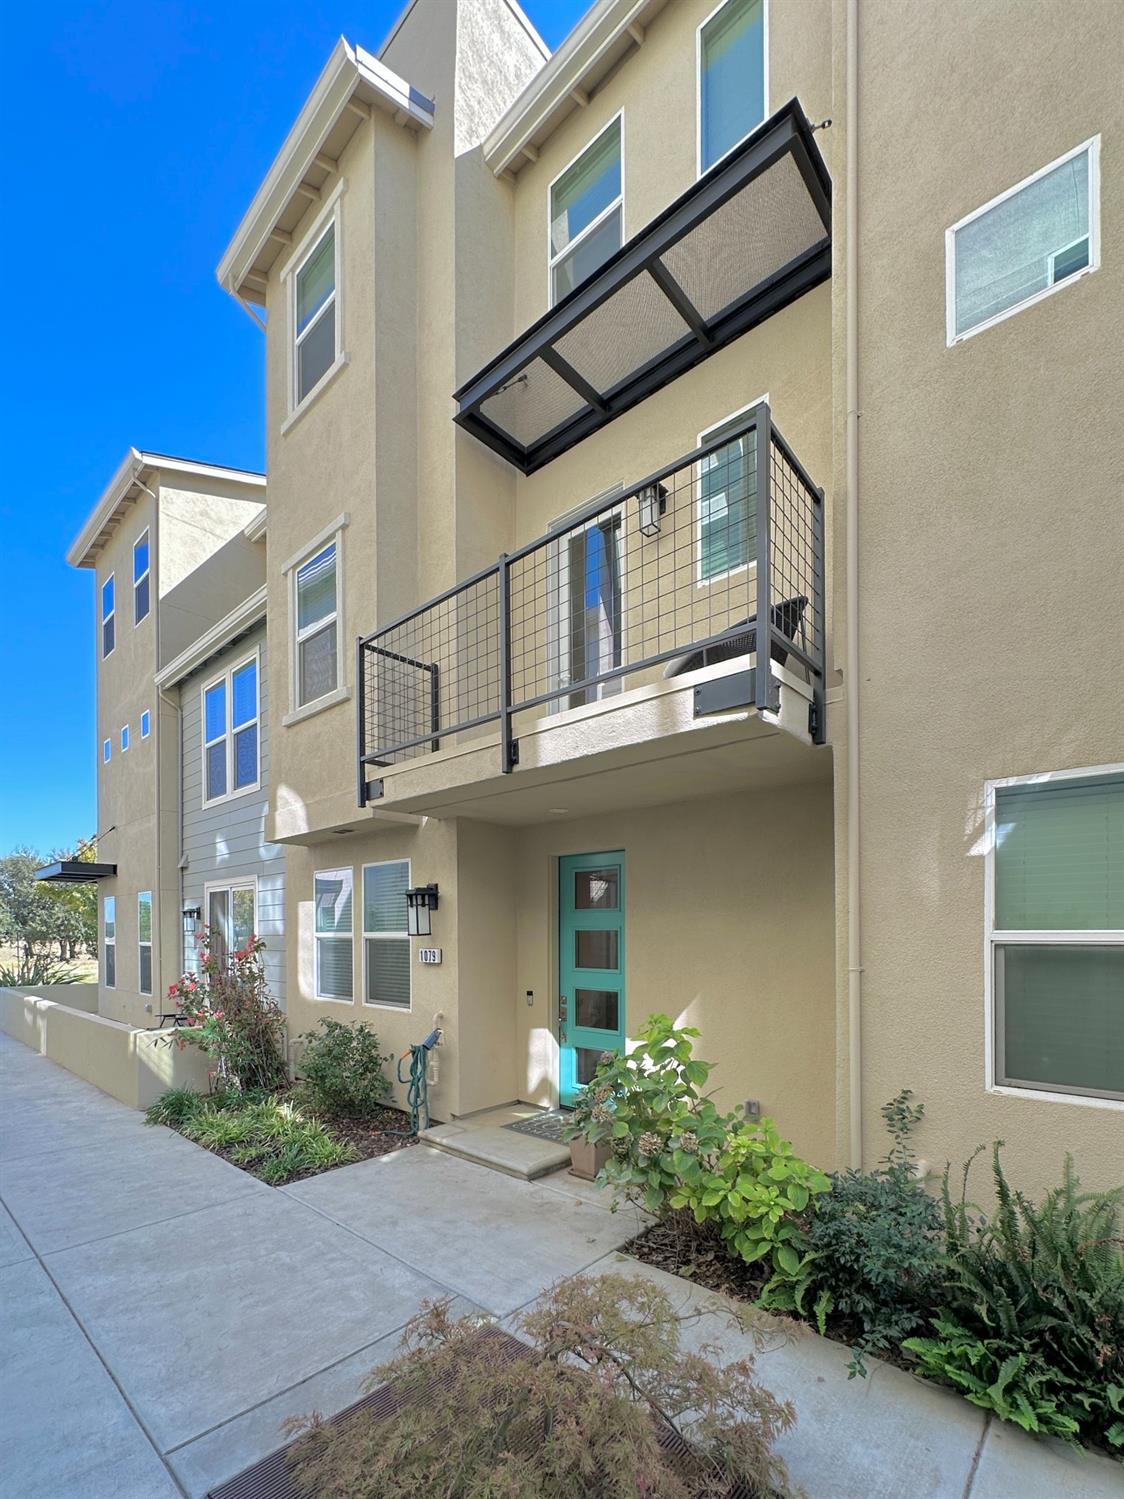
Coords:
75,872
747,239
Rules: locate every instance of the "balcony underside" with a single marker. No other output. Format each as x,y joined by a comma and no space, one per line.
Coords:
648,747
743,242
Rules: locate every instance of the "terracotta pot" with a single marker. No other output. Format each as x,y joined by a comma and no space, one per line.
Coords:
586,1160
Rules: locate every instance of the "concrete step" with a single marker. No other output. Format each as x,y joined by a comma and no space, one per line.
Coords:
501,1149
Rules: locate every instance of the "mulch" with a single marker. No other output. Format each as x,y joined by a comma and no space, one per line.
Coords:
373,1134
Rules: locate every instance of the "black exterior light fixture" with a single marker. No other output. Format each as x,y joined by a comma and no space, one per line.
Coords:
191,916
419,903
652,500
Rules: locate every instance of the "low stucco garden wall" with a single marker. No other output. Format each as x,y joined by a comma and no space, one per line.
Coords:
136,1066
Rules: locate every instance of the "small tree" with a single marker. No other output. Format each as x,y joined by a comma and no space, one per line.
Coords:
227,1012
580,1417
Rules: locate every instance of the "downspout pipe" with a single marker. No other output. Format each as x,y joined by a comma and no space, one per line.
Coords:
851,663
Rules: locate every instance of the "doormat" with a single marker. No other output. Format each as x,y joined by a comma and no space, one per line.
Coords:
547,1126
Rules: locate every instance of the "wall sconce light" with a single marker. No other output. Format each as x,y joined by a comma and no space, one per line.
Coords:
652,500
191,915
419,903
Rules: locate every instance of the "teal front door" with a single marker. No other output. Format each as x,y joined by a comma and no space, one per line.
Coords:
590,966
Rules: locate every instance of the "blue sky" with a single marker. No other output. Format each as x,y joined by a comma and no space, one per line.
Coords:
135,133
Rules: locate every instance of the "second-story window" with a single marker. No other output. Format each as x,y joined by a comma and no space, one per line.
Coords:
315,325
146,724
316,620
586,212
230,732
108,617
732,68
140,578
124,737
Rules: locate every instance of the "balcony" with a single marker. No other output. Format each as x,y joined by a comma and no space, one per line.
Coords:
701,584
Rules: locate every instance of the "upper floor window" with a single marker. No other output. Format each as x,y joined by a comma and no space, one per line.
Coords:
1025,244
106,750
1056,933
109,940
315,324
140,578
316,619
230,732
124,737
146,724
108,617
727,522
732,77
586,212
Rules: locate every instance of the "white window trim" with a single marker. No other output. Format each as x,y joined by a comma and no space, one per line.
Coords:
142,945
145,724
329,215
124,738
106,751
374,1004
108,942
333,999
146,537
230,885
341,691
750,564
995,936
618,202
1093,147
228,729
105,618
700,170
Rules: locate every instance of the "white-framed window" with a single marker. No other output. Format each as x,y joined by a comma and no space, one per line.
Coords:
1054,960
108,617
124,737
146,724
586,211
732,53
333,930
144,941
726,525
1029,242
106,750
315,313
140,578
109,941
231,914
231,754
315,614
386,947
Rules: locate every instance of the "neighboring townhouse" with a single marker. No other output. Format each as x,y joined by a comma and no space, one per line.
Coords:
232,877
168,546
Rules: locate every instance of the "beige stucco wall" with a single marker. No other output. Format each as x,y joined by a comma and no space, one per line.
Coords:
991,535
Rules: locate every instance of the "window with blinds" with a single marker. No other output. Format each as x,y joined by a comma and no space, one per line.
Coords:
334,934
386,947
1057,935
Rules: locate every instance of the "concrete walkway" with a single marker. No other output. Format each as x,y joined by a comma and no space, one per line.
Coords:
161,1313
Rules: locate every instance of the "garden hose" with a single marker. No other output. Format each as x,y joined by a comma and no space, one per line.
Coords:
417,1084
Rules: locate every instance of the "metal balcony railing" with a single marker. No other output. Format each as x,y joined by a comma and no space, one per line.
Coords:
716,556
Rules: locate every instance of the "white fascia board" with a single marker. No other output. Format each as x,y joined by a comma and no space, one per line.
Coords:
247,613
347,71
134,464
256,528
598,30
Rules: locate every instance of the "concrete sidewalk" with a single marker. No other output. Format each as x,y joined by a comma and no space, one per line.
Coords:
161,1313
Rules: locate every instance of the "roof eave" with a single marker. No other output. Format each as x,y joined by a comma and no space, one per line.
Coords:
240,619
347,71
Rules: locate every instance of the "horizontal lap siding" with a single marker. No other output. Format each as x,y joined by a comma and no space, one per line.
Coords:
226,842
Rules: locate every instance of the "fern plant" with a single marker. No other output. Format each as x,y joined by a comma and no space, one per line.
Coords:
1039,1291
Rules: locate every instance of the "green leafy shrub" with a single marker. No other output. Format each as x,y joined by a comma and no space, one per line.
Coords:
266,1135
673,1149
341,1070
227,1012
576,1418
1034,1308
875,1243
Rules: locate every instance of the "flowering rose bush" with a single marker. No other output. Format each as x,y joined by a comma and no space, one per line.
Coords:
226,1010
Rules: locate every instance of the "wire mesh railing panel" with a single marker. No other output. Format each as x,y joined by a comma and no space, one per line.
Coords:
796,580
433,674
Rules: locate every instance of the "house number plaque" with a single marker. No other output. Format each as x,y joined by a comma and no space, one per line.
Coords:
429,955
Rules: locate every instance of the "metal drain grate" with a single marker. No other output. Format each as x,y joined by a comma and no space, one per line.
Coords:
543,1126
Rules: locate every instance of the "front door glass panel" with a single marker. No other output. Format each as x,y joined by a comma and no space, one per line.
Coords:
591,978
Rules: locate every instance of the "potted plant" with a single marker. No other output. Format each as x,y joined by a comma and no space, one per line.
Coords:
589,1131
